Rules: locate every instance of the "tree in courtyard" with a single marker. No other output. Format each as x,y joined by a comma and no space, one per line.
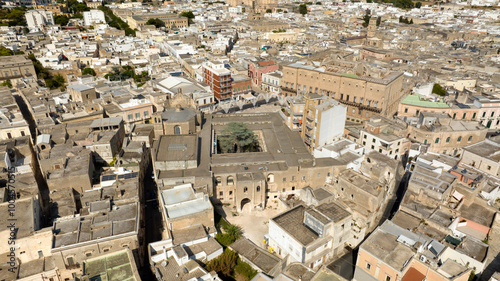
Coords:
6,83
438,90
156,22
224,263
418,5
55,82
237,137
88,71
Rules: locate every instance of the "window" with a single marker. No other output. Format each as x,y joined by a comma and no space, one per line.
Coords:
137,115
130,117
463,116
341,96
221,193
364,136
437,140
105,250
470,138
448,139
146,113
484,114
373,140
380,150
459,139
474,116
40,254
70,261
368,266
425,141
284,189
88,254
489,167
373,147
492,114
22,133
319,175
177,130
245,189
454,115
387,278
258,188
364,142
347,99
230,180
406,110
218,180
284,179
303,178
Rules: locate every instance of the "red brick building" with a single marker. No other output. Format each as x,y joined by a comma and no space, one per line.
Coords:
255,70
219,79
241,85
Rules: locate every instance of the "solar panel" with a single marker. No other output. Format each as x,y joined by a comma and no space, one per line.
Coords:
128,176
108,178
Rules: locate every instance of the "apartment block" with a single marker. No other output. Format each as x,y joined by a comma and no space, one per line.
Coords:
218,77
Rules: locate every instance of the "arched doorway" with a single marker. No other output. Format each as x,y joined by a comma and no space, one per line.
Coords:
245,206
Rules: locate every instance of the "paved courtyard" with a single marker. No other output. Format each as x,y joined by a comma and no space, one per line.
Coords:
254,225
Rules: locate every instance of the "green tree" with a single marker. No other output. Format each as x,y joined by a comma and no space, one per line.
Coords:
61,20
418,5
366,19
156,22
269,11
26,30
279,10
5,52
237,137
438,90
6,83
303,9
379,20
88,71
224,264
244,271
318,3
188,15
41,72
55,82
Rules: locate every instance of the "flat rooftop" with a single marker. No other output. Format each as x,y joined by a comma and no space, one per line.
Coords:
177,148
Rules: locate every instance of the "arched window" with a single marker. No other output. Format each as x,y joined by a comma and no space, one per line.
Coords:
177,130
230,180
448,139
258,188
218,180
245,189
470,138
437,140
459,139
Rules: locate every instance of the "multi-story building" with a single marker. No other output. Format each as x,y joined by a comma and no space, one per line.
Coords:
489,110
15,67
483,156
171,20
93,17
363,96
412,105
392,253
310,235
321,120
382,135
241,86
38,18
444,134
218,77
271,82
257,68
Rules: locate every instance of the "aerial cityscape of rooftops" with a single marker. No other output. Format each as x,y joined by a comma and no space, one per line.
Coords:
250,140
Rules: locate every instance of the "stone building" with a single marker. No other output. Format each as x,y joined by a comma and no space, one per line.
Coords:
364,96
310,235
15,67
444,134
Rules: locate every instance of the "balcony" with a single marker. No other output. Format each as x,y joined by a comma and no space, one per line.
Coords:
309,126
307,141
296,121
310,118
308,134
